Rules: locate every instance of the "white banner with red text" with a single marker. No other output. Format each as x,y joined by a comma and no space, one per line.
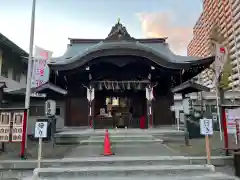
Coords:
40,73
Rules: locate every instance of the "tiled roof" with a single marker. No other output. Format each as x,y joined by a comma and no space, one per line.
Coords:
15,48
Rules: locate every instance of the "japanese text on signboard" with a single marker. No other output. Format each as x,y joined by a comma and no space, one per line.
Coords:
17,129
206,126
5,127
41,129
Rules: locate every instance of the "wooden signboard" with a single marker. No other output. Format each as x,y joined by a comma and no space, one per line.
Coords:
17,129
5,119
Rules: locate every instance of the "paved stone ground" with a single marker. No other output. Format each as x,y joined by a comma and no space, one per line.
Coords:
226,170
153,149
197,146
175,147
12,150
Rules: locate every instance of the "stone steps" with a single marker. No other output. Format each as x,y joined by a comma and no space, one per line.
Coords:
207,176
75,137
113,161
125,161
120,141
124,137
111,171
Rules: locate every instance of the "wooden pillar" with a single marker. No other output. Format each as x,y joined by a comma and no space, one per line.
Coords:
186,126
90,104
223,119
149,97
67,115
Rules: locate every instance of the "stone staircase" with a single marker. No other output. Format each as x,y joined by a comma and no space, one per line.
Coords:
123,168
129,135
130,161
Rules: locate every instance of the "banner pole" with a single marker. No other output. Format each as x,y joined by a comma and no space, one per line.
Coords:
218,114
29,73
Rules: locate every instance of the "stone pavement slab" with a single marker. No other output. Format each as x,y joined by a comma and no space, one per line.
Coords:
122,149
150,149
85,151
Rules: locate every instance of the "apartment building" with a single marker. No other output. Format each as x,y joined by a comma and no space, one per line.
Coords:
13,64
235,46
13,72
225,14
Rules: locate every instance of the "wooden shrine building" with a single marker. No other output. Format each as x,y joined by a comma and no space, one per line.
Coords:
106,82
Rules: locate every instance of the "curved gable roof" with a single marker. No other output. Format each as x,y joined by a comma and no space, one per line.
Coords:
119,42
160,55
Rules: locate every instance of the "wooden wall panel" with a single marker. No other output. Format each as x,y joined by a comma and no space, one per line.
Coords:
162,115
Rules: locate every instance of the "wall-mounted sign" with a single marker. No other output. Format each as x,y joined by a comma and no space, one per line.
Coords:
17,128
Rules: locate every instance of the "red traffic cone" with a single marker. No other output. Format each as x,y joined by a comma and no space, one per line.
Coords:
107,145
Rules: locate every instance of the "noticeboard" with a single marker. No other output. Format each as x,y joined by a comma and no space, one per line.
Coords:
233,118
5,119
17,128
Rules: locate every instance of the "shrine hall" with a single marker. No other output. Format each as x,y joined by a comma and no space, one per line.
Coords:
119,81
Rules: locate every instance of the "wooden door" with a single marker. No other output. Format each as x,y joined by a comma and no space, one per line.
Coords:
78,111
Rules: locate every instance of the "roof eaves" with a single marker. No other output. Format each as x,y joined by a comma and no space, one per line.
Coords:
7,42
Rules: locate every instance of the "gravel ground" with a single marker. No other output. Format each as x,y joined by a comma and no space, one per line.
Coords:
12,150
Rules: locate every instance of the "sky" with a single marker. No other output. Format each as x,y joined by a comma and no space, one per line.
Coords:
58,20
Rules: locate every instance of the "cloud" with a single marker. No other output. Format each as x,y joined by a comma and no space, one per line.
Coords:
155,25
51,32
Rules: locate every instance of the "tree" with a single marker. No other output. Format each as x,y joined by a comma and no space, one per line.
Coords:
227,72
217,36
